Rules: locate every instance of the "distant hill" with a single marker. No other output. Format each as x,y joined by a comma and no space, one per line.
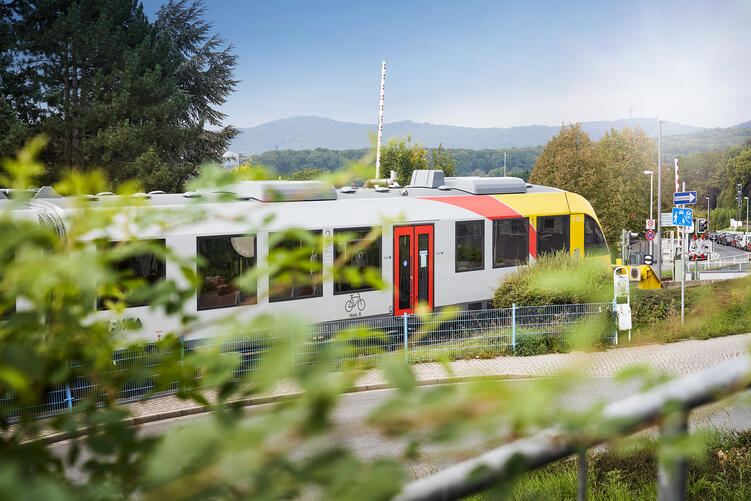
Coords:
744,125
302,133
490,161
705,140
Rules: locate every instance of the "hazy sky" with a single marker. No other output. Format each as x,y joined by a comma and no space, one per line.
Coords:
489,63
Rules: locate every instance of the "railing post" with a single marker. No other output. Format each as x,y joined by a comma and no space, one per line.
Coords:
182,357
406,332
671,473
581,494
615,314
68,397
513,327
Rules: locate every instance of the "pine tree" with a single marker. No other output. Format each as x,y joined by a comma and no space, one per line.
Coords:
204,74
118,92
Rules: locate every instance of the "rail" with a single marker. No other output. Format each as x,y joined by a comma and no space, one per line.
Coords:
421,338
713,264
667,404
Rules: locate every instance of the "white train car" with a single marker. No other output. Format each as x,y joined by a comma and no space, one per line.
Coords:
443,242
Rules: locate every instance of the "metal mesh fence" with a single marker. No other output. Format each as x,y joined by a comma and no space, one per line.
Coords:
139,373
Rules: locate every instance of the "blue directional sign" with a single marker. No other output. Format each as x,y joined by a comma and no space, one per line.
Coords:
683,217
684,197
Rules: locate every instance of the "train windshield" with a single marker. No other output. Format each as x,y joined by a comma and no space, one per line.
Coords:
594,241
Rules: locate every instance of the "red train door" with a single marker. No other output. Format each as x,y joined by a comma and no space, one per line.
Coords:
413,268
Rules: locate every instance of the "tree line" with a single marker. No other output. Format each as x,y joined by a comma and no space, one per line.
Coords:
468,162
610,174
113,90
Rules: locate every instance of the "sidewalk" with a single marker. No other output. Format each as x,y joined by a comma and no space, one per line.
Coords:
676,359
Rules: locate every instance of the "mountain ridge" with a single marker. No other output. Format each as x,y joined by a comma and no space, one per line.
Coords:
310,132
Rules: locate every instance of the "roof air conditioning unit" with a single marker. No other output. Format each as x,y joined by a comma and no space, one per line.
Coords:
635,273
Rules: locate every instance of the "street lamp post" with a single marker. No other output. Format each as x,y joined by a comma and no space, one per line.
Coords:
658,256
651,187
745,230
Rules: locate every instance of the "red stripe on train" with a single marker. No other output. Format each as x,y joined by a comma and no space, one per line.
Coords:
484,205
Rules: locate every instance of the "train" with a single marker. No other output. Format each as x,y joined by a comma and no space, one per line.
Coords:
443,241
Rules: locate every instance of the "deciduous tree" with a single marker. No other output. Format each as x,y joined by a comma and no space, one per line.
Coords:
609,173
404,157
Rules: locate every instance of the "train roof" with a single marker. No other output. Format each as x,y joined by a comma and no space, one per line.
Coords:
424,184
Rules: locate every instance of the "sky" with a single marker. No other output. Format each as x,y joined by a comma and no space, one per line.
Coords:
488,63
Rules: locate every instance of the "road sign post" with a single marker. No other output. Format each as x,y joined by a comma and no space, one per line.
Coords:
650,235
683,218
683,277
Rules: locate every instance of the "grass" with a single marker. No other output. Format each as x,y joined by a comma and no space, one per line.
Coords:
717,309
721,470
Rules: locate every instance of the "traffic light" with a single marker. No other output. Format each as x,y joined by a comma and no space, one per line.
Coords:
701,226
631,237
628,238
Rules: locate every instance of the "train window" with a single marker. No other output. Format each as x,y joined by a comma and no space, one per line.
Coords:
594,241
552,233
299,275
147,267
356,253
470,245
224,258
510,242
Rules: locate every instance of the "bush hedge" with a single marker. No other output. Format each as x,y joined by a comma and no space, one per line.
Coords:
556,279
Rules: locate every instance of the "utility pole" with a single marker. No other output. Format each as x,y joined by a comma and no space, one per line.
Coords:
504,164
658,237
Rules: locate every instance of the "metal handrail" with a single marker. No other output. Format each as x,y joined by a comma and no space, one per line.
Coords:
623,417
724,261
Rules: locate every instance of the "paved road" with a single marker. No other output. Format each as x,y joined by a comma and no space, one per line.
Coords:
727,251
350,430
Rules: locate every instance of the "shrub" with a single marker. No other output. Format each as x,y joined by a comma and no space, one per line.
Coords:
538,344
715,309
556,279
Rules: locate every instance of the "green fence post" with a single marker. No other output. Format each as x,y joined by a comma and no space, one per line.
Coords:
615,315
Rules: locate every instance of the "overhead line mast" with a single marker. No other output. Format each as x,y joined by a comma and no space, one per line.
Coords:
380,122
